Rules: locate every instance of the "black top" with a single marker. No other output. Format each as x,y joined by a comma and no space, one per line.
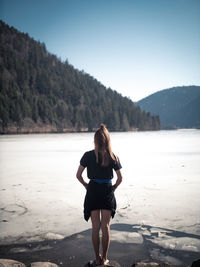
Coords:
95,170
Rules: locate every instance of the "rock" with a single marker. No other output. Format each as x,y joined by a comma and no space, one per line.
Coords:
43,264
196,263
11,263
142,264
150,264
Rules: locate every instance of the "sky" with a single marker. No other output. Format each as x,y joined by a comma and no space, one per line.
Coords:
136,47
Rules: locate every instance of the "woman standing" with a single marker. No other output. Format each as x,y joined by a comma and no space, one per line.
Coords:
100,202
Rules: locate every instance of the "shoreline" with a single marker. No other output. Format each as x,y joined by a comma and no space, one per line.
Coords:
26,132
2,133
129,245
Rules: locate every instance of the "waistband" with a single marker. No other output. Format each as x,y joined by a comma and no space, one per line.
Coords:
102,181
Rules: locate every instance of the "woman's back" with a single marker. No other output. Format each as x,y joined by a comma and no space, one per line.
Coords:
95,170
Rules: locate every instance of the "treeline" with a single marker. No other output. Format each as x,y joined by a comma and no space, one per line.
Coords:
38,88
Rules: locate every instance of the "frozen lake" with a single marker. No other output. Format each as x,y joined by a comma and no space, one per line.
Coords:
41,198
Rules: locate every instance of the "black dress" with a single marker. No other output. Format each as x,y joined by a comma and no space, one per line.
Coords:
99,196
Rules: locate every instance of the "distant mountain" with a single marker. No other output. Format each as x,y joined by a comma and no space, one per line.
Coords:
178,107
39,93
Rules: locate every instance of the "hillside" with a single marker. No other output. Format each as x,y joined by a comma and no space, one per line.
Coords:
178,107
39,93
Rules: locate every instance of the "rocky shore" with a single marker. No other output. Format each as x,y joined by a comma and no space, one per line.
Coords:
13,263
126,250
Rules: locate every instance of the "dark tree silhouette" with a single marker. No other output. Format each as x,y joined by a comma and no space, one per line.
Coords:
37,86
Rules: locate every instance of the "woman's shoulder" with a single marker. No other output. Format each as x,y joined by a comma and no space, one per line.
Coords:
89,153
86,158
116,162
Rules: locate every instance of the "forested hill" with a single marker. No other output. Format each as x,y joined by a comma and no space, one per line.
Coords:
178,107
39,93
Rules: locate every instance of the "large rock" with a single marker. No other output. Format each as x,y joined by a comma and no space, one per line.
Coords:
150,264
11,263
196,263
43,264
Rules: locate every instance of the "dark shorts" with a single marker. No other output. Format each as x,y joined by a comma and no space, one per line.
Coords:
98,197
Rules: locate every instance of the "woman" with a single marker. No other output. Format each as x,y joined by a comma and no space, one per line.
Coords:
100,203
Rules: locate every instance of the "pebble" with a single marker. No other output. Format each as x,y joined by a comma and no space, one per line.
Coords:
12,263
43,264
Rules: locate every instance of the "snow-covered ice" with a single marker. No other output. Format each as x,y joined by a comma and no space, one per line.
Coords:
41,198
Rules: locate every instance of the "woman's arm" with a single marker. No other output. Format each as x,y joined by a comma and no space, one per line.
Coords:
79,176
119,179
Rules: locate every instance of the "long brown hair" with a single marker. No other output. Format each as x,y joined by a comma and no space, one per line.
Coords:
103,145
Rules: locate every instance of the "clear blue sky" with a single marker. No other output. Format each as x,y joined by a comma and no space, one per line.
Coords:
136,47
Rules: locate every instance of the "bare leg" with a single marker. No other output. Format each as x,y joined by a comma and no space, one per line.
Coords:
105,227
96,223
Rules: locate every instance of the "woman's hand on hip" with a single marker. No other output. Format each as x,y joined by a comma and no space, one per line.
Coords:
86,186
